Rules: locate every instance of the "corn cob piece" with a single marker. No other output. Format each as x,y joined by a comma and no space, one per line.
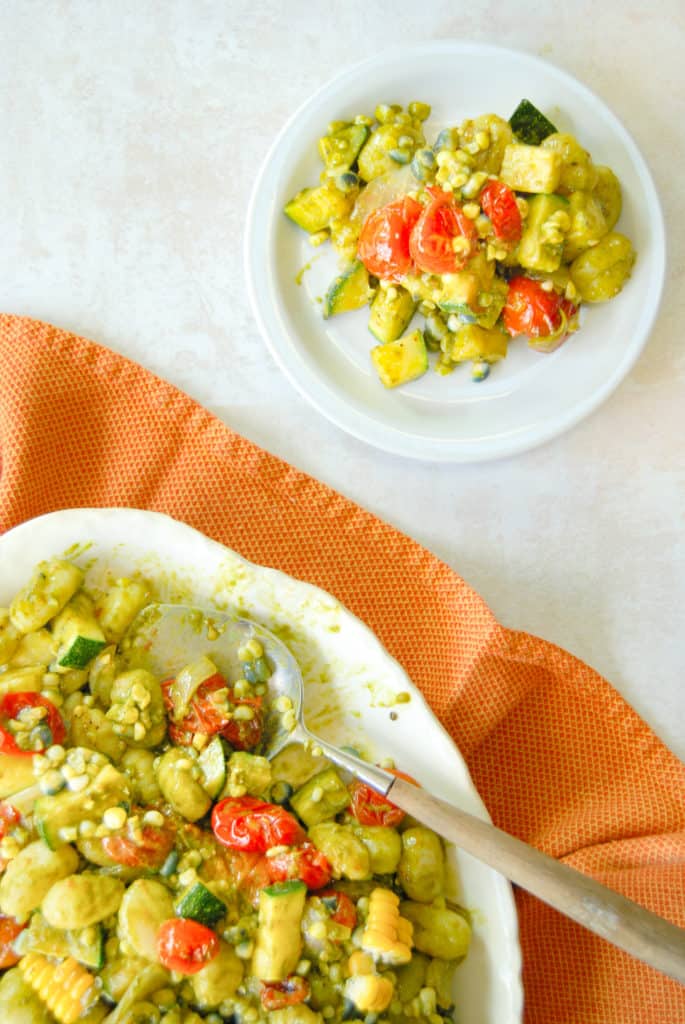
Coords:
387,936
67,988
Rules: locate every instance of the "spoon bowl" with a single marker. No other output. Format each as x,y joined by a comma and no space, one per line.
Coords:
166,637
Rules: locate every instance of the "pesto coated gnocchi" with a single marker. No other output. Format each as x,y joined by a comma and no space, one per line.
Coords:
478,230
156,869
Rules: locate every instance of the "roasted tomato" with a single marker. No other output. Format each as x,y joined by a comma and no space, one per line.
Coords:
146,846
443,238
341,907
530,309
48,721
277,994
370,808
247,823
384,239
304,862
209,714
185,945
9,929
499,204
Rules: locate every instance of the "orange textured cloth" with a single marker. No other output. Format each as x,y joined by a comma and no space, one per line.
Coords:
559,758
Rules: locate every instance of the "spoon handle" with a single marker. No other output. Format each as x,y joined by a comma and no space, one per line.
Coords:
614,917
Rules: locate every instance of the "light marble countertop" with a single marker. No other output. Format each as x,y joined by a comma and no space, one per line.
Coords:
131,136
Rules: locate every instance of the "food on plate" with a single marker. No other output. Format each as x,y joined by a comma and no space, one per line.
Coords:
155,867
492,230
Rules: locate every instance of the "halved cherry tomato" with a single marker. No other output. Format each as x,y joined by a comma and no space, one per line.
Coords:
185,945
10,706
144,847
384,239
207,716
9,929
304,862
343,910
499,204
371,808
530,309
277,994
247,823
431,244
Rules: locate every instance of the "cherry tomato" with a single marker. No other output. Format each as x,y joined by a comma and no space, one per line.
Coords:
384,239
247,823
185,945
371,808
9,929
343,910
499,204
277,994
10,706
431,244
206,716
303,862
145,847
530,309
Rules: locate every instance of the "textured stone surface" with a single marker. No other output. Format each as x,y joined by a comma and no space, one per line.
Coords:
131,135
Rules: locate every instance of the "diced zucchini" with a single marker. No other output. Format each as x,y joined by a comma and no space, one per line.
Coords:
247,773
85,944
212,763
479,343
314,209
391,313
321,798
200,904
458,291
77,634
350,290
66,810
401,361
542,241
279,938
47,592
340,149
530,168
530,125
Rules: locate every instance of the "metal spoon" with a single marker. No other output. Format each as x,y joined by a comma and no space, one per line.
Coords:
165,638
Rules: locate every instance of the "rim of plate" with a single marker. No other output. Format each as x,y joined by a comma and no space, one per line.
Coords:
318,390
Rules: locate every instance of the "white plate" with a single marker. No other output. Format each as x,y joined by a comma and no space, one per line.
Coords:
350,682
530,397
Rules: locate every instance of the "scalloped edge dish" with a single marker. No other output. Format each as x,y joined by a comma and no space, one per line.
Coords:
351,683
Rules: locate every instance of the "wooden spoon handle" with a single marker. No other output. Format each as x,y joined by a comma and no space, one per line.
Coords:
617,919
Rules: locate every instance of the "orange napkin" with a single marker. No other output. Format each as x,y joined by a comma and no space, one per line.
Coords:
557,755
